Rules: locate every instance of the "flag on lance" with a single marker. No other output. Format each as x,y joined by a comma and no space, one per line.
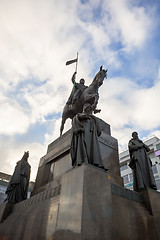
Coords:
71,61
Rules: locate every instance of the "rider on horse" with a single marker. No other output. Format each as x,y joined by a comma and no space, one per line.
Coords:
77,90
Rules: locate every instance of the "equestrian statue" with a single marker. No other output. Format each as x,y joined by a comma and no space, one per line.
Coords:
82,94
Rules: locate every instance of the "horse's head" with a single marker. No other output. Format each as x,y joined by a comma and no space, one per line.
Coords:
100,76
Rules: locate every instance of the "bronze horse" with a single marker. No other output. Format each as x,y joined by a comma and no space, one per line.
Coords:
90,95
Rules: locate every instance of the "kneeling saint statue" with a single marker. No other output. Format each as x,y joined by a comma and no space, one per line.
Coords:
84,145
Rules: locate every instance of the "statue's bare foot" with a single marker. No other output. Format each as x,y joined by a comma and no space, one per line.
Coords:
97,111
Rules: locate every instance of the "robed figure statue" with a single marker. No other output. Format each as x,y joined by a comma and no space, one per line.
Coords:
140,164
84,145
18,186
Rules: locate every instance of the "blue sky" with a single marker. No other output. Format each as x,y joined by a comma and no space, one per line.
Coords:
38,37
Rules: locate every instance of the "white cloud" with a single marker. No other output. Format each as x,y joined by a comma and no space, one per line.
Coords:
123,102
146,109
12,151
116,101
13,119
32,39
129,23
55,130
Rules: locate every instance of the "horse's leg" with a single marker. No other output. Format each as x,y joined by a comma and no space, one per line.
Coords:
95,104
96,97
93,100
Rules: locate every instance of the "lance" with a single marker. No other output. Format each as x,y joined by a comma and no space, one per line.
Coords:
73,61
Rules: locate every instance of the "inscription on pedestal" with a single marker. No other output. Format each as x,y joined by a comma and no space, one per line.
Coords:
126,193
38,198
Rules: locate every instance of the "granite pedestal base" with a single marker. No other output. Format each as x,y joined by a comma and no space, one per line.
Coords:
82,203
87,205
57,160
5,210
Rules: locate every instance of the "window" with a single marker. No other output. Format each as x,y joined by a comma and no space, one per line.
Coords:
154,169
125,179
158,184
130,177
123,167
3,189
3,196
158,146
152,155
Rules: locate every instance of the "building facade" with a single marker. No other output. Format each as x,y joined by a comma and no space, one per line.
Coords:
126,172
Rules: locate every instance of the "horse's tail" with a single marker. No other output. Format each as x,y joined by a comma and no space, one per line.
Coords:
63,120
62,126
68,112
65,115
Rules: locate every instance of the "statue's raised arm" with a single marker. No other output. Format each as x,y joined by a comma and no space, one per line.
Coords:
82,94
73,79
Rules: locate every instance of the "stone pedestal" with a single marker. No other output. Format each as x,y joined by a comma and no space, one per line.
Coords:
82,203
5,210
85,205
57,161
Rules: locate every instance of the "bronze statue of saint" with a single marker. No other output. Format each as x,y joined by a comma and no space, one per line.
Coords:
84,145
77,89
141,164
82,94
18,186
